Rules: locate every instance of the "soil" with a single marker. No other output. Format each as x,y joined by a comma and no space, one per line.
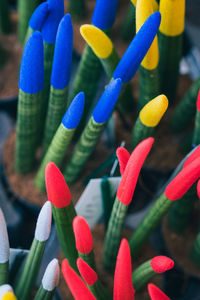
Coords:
106,278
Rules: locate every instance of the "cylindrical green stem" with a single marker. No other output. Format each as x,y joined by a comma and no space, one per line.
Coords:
27,277
110,63
25,10
195,252
29,32
142,275
185,110
128,26
149,85
83,150
43,294
55,153
77,9
140,132
99,291
28,121
170,51
181,212
113,235
5,24
196,137
107,199
63,219
4,271
56,109
149,223
88,258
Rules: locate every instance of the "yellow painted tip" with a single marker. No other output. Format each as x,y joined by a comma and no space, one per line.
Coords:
144,9
9,296
97,40
154,3
153,111
172,17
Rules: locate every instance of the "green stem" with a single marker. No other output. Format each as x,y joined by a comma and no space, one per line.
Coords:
113,235
28,121
43,294
63,220
142,275
195,252
77,9
99,291
107,199
28,34
4,271
128,26
140,132
88,258
110,63
27,277
5,25
56,109
149,223
83,150
196,138
55,153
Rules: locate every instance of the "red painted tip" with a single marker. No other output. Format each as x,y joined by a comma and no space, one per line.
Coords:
123,287
88,274
183,181
57,190
161,264
129,179
155,293
77,287
123,157
83,236
195,154
198,101
198,188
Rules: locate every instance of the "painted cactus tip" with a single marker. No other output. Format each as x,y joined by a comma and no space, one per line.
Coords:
43,226
155,293
194,155
129,179
198,188
104,13
83,236
107,102
161,264
58,192
198,101
4,241
123,157
51,276
74,113
9,296
87,273
38,17
5,288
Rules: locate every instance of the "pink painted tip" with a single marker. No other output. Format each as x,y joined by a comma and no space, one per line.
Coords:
195,154
155,293
183,181
123,157
161,264
57,189
123,287
83,236
88,274
198,101
77,287
198,188
129,179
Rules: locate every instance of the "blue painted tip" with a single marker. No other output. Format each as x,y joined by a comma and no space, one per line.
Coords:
38,17
107,102
50,26
138,48
62,60
74,113
31,75
104,13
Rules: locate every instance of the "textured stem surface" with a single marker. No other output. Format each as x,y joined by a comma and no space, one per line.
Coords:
196,137
140,132
88,258
142,275
4,271
128,26
43,294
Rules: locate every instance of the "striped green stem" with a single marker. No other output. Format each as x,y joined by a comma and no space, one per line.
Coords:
4,271
28,274
28,34
99,291
195,251
25,10
55,153
107,199
83,150
56,109
113,235
5,24
186,109
149,223
88,258
181,212
77,9
142,275
128,26
170,51
110,63
149,85
63,220
28,121
196,137
43,294
140,132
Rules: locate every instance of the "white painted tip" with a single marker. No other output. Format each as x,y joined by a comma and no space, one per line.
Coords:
4,242
43,226
5,288
51,276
